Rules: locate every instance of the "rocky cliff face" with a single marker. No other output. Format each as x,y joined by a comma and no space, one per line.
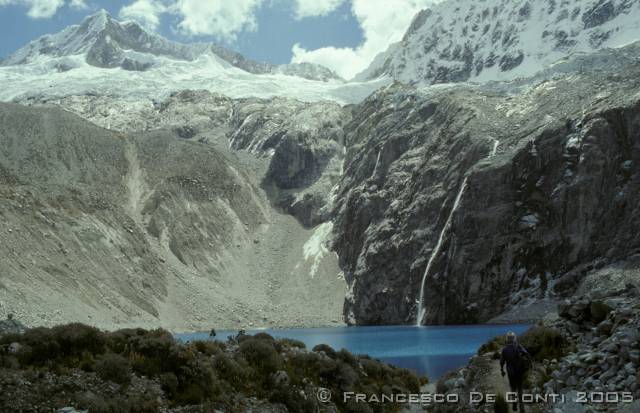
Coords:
558,195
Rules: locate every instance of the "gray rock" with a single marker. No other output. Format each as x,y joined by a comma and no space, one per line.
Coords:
631,368
632,407
280,378
14,348
608,374
11,326
604,328
630,381
611,360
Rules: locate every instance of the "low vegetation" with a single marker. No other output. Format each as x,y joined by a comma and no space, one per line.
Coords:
216,374
543,343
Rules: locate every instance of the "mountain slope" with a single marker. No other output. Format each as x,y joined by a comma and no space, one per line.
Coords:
106,57
147,229
456,41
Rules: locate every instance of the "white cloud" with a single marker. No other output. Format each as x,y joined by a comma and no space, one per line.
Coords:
145,12
42,9
39,9
78,4
312,8
381,24
220,18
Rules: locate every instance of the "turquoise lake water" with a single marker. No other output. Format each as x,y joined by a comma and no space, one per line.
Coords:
430,350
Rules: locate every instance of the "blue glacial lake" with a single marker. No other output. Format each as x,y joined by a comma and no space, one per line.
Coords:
430,350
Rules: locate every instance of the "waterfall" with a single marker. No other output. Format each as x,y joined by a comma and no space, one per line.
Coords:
496,143
375,168
436,251
443,233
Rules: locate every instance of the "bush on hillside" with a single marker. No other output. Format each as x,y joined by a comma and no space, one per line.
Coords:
204,372
115,368
540,341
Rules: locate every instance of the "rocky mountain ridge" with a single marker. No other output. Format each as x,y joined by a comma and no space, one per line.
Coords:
458,41
102,56
107,43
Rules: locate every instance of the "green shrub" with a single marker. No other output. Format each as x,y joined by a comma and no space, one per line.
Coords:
544,343
261,355
209,348
289,343
540,341
63,345
306,365
408,379
169,384
39,346
197,384
157,352
75,339
231,370
264,336
346,357
9,362
87,362
119,340
354,407
92,402
114,367
293,400
345,377
325,349
493,345
95,403
376,371
203,372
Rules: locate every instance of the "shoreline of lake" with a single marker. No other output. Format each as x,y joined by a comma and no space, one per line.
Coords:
427,350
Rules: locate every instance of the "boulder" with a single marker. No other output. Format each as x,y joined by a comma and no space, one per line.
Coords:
280,378
599,311
604,328
11,326
14,348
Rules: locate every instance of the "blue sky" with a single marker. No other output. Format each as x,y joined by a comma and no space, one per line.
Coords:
344,35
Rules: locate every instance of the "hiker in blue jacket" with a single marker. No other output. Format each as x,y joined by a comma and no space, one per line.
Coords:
515,357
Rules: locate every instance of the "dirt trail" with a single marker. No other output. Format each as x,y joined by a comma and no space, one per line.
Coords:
134,182
495,382
490,381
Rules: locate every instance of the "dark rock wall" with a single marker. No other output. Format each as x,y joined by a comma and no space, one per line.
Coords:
559,196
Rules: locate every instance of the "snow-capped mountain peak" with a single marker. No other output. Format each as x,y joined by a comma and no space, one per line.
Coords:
102,55
503,39
108,43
